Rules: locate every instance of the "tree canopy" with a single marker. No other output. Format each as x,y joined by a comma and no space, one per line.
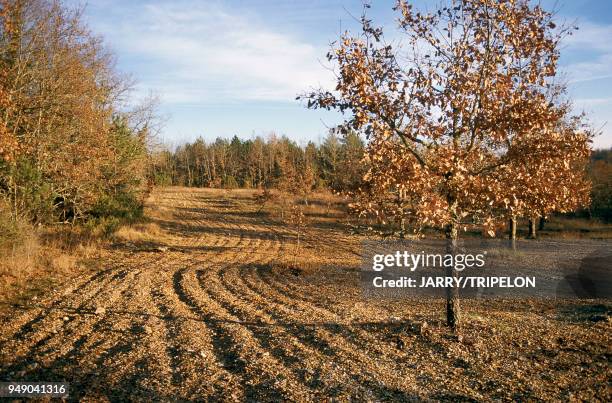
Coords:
463,115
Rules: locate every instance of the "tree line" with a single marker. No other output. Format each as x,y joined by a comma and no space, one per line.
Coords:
272,162
71,147
338,163
600,172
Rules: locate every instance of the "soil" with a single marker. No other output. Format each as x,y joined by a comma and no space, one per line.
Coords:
213,308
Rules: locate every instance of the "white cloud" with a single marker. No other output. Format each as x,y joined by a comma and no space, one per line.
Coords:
589,52
201,53
594,39
592,36
598,113
590,102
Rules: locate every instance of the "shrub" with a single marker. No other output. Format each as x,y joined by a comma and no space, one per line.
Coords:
113,210
125,206
229,182
11,231
31,196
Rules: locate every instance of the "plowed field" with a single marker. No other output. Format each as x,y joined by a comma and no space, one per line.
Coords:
209,310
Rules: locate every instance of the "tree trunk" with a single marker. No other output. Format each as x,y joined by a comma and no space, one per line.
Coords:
512,234
402,228
452,293
542,222
532,228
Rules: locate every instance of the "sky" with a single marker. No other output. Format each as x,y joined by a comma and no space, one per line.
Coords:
235,67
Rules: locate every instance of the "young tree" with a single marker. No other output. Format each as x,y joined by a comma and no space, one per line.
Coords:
557,184
450,115
298,220
351,169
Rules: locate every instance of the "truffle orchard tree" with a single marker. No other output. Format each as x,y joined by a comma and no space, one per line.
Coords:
558,183
453,110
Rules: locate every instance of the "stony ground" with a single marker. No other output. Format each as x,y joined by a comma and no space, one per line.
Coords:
209,309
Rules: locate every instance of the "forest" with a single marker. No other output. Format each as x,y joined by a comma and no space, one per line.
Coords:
71,147
274,162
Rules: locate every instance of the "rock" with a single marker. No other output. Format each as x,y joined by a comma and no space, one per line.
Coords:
162,248
66,318
100,310
148,330
202,354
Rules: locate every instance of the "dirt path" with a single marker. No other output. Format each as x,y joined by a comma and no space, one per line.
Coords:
201,313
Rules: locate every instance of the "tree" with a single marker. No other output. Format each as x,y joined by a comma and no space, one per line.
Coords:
8,142
351,170
125,172
329,155
450,118
58,139
557,184
298,220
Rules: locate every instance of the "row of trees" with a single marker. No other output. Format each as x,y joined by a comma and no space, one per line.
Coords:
274,162
69,147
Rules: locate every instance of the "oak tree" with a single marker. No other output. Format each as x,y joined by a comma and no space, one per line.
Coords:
451,108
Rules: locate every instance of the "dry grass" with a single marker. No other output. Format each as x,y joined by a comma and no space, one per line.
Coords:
146,232
35,259
571,228
41,260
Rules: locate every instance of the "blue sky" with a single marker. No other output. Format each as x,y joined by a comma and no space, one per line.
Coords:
231,67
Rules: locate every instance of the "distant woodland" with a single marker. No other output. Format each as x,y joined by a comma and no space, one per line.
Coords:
337,163
275,162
